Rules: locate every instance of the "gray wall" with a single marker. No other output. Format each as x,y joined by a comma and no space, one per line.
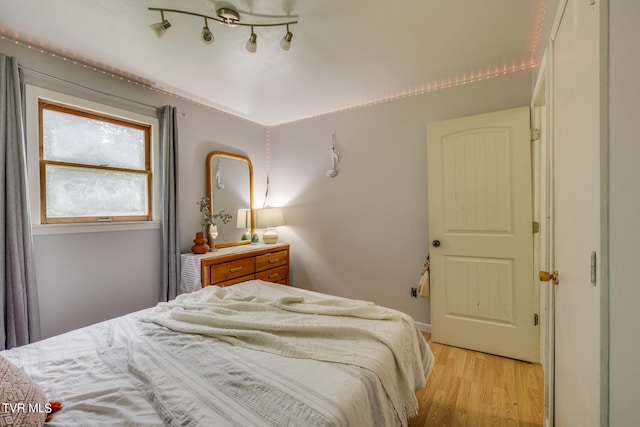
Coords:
363,234
84,278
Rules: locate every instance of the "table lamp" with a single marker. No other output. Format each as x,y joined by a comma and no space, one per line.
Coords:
269,219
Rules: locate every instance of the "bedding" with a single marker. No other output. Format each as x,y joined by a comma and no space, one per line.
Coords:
236,356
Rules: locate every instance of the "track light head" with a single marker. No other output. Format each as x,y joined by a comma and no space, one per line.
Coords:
160,27
207,35
252,44
285,43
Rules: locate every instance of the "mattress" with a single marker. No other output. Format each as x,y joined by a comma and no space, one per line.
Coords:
130,371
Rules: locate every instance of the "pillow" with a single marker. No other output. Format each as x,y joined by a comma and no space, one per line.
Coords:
22,401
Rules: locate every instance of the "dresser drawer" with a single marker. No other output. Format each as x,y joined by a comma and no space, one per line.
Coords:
234,281
232,270
271,260
276,275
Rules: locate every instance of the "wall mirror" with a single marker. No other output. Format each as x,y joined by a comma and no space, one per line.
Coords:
230,189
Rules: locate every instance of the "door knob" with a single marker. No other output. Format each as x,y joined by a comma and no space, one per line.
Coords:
545,276
435,243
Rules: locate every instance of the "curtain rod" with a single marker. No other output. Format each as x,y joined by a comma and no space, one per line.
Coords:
121,98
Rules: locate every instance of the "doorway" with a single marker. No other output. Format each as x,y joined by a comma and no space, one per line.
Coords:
479,191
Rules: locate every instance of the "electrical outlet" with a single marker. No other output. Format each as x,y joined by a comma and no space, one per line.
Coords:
414,292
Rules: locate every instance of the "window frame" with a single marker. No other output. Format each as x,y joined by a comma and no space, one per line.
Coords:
101,104
44,104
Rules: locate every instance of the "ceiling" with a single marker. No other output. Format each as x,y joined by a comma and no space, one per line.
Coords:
343,53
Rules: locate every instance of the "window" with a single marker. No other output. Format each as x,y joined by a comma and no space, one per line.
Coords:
93,167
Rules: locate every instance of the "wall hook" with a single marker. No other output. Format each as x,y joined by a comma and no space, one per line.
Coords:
333,172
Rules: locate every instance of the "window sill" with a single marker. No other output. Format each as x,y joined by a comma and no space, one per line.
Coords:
45,229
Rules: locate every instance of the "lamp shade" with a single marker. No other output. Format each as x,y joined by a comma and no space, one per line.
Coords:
244,218
269,217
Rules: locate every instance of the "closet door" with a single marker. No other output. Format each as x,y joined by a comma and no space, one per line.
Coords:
580,229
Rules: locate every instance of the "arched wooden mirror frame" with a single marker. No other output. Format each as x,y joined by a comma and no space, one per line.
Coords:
210,178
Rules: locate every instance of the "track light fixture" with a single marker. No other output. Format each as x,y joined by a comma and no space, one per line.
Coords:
227,17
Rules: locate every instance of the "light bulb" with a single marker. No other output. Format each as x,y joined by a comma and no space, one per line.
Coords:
252,44
285,43
207,35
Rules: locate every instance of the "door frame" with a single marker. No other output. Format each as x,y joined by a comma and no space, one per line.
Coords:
542,181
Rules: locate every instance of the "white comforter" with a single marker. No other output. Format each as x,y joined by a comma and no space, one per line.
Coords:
325,328
125,372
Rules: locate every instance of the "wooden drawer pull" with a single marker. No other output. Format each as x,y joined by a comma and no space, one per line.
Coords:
273,260
273,275
235,270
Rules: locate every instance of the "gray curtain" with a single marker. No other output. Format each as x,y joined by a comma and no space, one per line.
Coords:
169,222
18,292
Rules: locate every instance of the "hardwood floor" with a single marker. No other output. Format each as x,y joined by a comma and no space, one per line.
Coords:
468,388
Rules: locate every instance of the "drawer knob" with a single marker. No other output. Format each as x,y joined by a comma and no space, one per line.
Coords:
273,260
235,269
273,276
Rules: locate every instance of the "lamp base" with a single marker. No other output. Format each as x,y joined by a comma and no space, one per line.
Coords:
270,236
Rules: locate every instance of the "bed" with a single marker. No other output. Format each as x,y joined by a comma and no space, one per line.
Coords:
255,353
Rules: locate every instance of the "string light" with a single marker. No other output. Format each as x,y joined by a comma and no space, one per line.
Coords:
121,76
450,83
430,87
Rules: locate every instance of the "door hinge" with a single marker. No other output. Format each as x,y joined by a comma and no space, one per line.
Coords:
593,268
535,226
535,319
535,134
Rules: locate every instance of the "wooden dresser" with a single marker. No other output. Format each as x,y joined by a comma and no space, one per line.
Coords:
228,266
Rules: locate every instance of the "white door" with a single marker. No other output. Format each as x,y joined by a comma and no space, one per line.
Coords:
479,194
580,385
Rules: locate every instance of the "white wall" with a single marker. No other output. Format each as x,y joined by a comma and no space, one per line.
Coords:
363,234
84,278
624,239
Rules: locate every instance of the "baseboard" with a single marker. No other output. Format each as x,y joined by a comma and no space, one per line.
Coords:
424,327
